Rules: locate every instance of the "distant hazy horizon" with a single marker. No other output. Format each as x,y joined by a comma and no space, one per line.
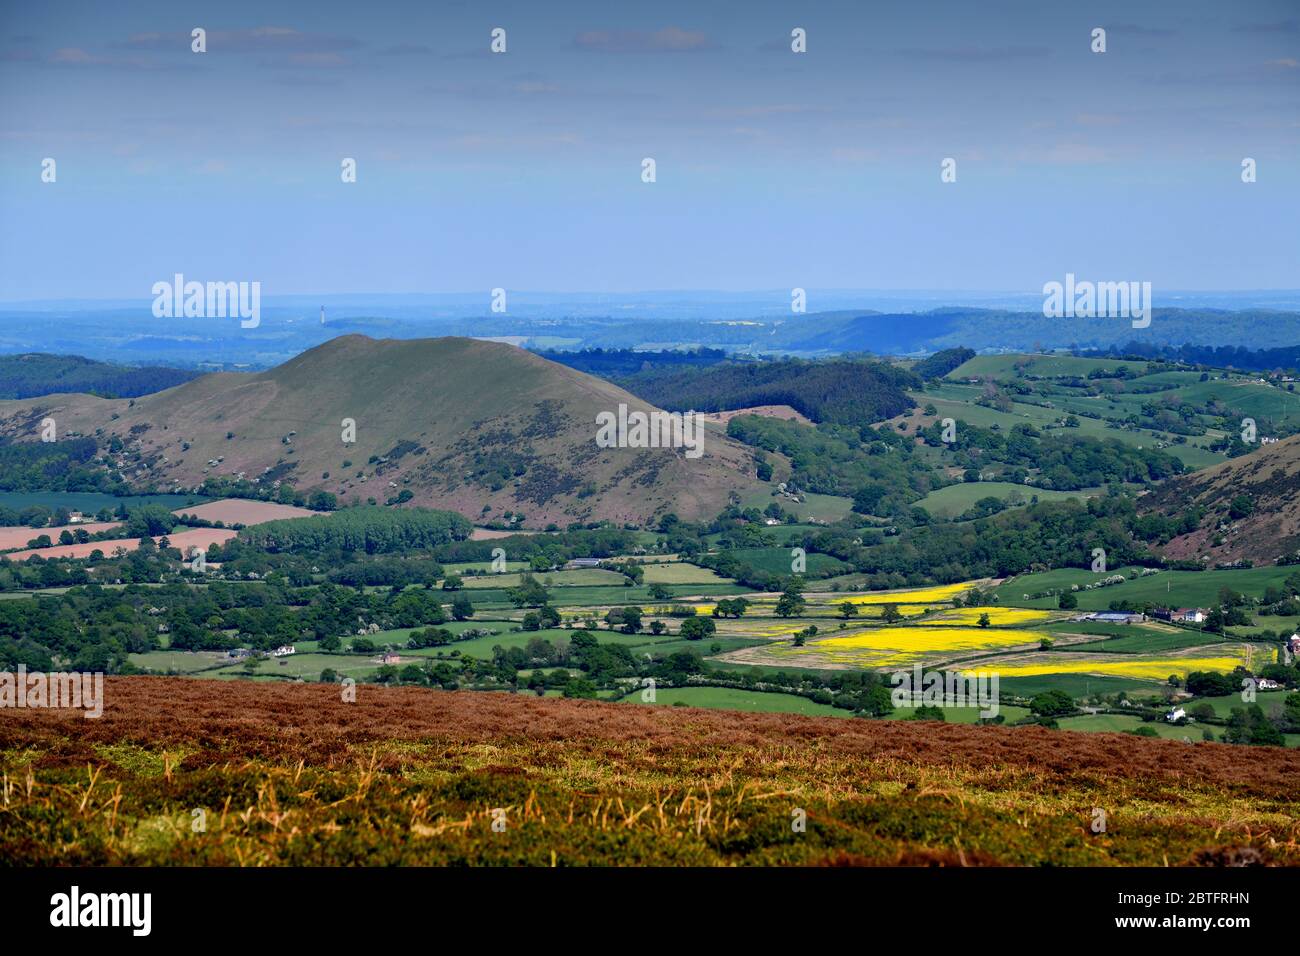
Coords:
776,301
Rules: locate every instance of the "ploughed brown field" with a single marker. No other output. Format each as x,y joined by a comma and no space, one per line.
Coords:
183,771
17,538
182,540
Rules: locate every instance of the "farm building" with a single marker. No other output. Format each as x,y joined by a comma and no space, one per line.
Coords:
1182,615
1118,617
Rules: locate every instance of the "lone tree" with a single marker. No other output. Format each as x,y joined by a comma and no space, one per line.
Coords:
697,628
790,604
462,608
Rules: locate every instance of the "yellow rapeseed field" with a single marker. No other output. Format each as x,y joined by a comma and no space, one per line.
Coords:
1148,668
902,645
940,594
781,631
998,616
872,611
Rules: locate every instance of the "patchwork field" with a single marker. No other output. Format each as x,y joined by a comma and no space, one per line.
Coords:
1032,648
895,646
184,540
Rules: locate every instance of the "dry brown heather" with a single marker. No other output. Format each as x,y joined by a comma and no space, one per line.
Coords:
293,775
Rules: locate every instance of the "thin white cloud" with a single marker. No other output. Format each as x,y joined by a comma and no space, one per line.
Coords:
667,40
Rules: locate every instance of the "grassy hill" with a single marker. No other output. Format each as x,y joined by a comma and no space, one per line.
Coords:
478,427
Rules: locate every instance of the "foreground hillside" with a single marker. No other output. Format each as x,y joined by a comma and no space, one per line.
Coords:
187,771
478,427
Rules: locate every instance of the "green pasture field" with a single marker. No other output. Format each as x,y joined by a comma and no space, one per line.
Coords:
1268,622
958,402
731,698
671,644
1154,642
1102,629
681,573
827,508
306,666
177,662
1270,701
1171,378
1171,588
484,567
968,715
1003,366
1123,723
1077,686
952,500
481,647
577,597
579,577
777,560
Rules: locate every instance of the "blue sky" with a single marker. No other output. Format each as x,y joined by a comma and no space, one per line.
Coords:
522,170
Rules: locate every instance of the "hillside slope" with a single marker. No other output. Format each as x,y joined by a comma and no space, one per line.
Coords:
1267,482
460,423
292,775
